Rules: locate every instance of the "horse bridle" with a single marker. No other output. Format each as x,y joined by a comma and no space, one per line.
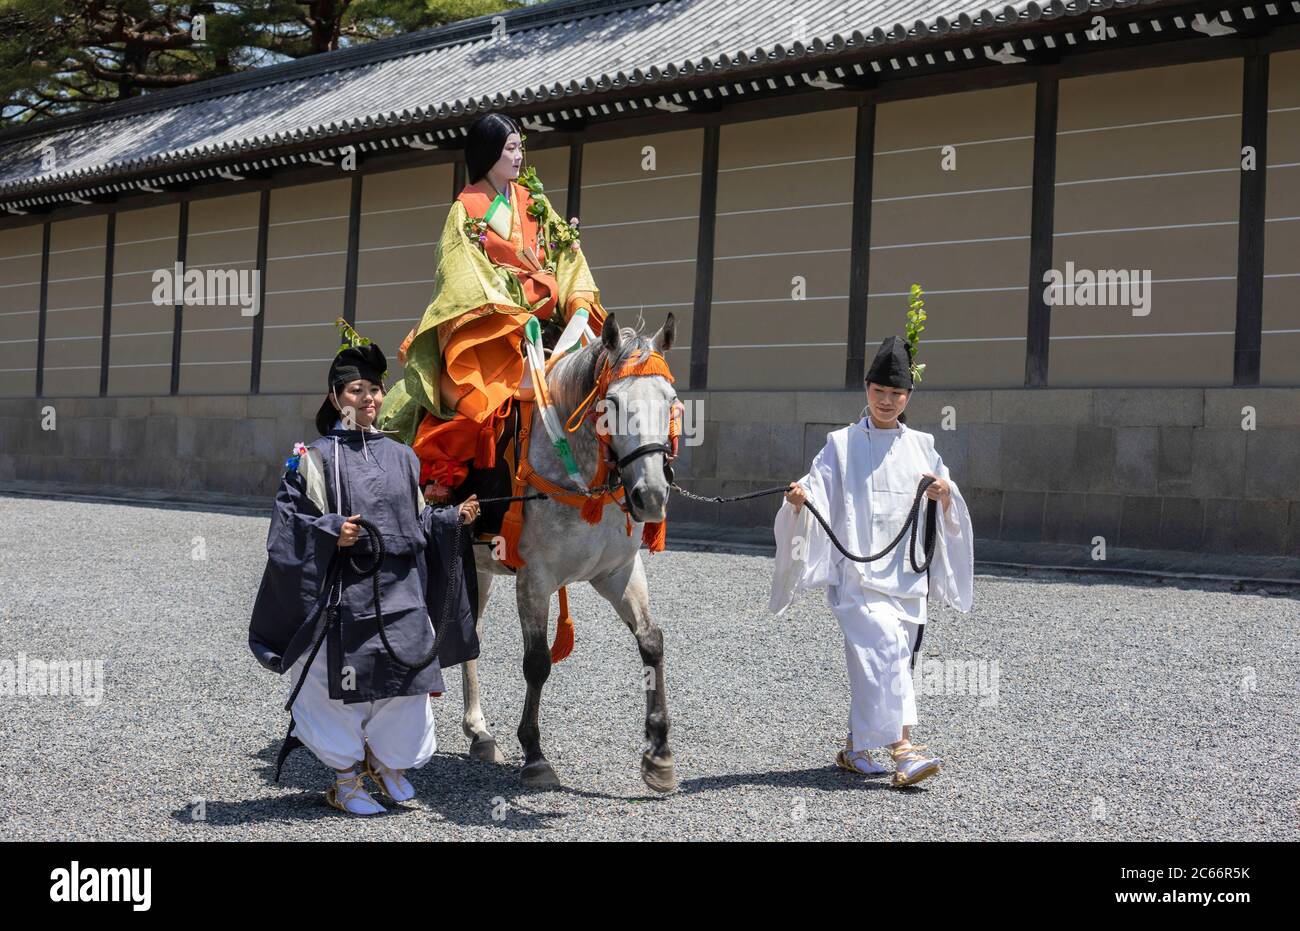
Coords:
668,450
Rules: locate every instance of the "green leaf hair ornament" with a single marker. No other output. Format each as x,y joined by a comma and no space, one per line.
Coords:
352,339
915,326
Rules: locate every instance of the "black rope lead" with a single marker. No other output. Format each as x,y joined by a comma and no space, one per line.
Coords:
372,571
910,524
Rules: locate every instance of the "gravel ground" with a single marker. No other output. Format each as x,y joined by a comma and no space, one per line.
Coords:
1123,709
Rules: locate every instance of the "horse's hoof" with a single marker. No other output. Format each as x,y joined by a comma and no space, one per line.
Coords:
540,775
659,773
485,750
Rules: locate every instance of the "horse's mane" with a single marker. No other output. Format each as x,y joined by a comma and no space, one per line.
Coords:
572,378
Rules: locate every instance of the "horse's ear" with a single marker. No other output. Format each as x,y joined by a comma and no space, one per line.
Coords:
664,338
609,334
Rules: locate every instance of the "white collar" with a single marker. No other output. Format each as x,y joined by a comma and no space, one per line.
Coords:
338,425
867,425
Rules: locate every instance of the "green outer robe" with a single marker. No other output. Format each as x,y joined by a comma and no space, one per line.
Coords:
465,280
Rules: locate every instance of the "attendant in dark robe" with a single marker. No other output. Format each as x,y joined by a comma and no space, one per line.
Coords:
365,644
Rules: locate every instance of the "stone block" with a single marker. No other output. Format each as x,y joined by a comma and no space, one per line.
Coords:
9,435
225,477
839,407
1094,458
1149,407
953,447
1221,531
134,407
985,506
242,435
786,461
984,456
1292,537
1182,524
1022,516
929,410
230,406
174,405
1262,526
1174,468
700,460
126,438
814,438
309,404
1272,463
1063,518
191,475
274,405
1136,459
1140,522
743,450
1064,406
214,437
1218,461
1040,457
160,436
1101,518
1274,407
750,406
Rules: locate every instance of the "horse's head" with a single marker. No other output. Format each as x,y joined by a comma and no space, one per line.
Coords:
636,414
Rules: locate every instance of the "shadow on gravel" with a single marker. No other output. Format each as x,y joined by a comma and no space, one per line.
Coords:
827,778
461,790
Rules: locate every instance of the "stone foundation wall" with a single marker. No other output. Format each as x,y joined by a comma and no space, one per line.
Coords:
1167,469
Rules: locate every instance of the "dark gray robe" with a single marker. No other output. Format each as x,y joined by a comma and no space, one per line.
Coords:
378,479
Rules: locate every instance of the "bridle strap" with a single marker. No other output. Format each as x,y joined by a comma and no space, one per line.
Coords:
645,450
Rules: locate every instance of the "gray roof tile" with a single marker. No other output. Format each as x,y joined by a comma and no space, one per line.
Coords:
550,52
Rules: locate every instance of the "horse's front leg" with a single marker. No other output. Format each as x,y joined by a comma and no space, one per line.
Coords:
483,746
627,591
534,600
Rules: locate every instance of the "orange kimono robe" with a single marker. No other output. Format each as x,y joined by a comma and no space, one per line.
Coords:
482,362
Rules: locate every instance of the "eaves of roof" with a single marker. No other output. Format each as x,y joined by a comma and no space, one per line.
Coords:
332,96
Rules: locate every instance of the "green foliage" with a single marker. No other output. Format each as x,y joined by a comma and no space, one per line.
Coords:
72,55
915,326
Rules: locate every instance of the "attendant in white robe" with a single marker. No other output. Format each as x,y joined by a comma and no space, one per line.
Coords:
863,483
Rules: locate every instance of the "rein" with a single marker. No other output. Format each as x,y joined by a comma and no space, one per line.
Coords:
912,522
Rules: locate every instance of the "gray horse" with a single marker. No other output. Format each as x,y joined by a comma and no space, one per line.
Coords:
560,548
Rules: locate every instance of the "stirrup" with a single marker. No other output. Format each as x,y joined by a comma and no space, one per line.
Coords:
392,782
912,765
353,790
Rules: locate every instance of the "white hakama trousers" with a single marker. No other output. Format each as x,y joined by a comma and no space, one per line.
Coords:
399,730
879,633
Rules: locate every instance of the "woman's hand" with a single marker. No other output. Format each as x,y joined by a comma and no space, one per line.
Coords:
939,490
350,531
469,510
796,495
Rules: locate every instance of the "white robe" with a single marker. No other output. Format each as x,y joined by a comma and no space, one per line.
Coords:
863,482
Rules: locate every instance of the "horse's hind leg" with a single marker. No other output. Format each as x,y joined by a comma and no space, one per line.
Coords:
483,746
627,591
534,601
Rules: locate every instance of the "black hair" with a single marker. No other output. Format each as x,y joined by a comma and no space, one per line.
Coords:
485,142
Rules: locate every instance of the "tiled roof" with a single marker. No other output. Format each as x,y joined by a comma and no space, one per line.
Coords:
552,52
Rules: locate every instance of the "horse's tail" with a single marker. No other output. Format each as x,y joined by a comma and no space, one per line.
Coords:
563,644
